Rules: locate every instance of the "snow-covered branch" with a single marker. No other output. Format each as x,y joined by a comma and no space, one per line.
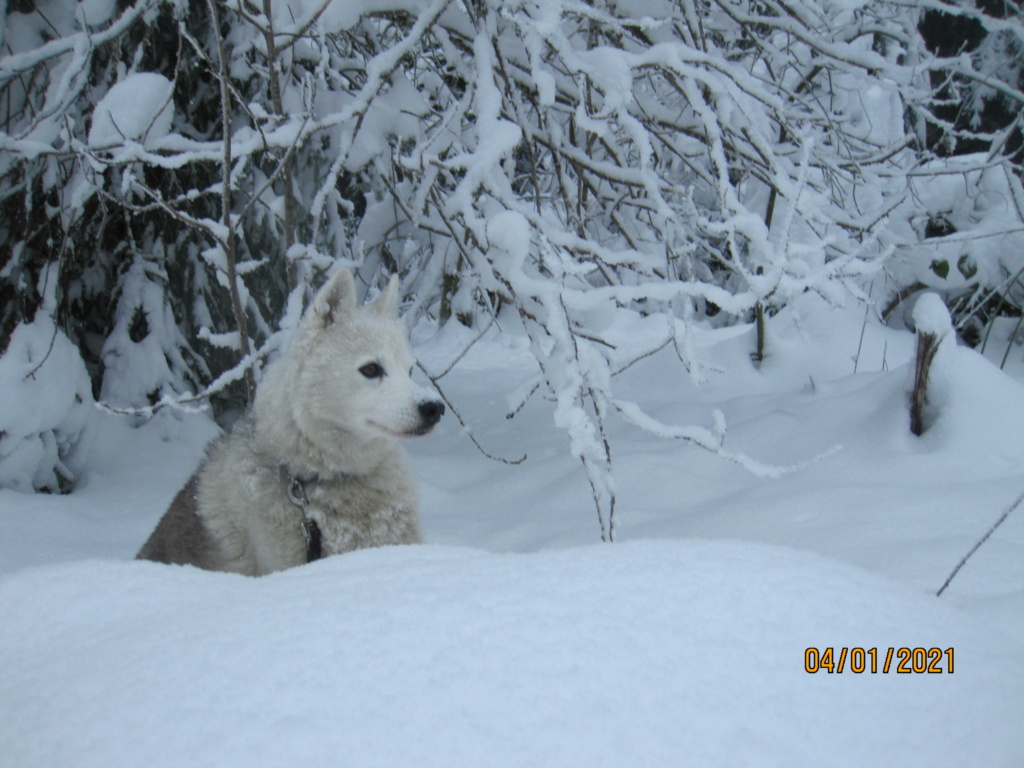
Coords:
202,164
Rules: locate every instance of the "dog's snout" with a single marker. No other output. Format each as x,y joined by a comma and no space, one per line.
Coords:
431,411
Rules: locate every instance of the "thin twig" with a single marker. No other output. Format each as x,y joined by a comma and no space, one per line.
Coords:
239,371
465,427
642,356
979,542
231,252
463,353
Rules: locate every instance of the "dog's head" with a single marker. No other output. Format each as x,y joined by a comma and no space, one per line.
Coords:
353,365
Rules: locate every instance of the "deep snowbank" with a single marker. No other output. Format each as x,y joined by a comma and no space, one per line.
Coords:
646,653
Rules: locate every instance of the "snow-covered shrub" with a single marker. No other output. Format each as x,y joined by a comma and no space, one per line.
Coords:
45,410
960,228
196,167
142,355
593,159
960,232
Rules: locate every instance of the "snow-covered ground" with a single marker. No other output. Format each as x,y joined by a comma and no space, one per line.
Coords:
514,637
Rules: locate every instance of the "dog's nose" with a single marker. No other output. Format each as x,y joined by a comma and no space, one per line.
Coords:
431,411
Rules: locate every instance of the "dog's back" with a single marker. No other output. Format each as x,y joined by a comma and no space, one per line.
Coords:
181,538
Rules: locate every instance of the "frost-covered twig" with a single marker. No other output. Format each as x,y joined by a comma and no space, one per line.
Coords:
713,441
465,350
185,403
642,356
465,427
977,545
231,252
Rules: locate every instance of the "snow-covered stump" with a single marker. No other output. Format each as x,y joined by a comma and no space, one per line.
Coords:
931,319
927,346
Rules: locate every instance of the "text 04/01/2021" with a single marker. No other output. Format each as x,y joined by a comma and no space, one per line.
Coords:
873,660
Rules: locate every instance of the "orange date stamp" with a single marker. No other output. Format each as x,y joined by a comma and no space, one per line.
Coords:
902,661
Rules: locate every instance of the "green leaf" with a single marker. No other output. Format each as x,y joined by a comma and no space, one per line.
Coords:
941,268
967,265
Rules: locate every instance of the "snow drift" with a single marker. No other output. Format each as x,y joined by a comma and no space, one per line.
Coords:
647,653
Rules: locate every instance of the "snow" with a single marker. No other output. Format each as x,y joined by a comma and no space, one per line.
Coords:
46,409
931,316
141,354
138,108
648,653
96,12
979,207
513,637
510,231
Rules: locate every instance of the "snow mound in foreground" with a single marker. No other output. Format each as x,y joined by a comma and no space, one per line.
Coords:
649,653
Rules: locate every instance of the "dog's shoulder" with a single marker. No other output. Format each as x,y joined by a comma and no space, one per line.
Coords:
203,526
181,537
243,500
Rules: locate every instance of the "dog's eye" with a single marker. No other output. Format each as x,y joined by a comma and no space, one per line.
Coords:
372,371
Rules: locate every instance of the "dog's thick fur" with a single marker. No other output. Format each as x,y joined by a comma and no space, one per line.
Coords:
328,414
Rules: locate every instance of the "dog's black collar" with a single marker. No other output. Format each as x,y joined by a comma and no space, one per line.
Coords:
310,530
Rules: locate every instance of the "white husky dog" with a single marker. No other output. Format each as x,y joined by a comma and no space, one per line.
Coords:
315,467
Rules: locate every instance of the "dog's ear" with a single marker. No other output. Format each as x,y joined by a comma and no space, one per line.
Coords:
387,303
335,301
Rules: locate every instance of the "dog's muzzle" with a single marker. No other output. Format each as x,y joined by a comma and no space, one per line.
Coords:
431,412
